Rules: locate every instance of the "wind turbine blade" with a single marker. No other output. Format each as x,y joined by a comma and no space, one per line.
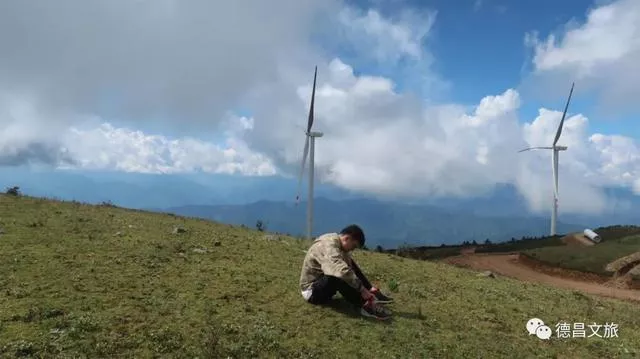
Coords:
559,132
313,97
304,160
535,148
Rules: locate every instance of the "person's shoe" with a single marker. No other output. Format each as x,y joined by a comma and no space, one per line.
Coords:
371,310
381,298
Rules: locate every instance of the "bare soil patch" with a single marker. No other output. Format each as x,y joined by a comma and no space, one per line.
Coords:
577,239
519,267
468,250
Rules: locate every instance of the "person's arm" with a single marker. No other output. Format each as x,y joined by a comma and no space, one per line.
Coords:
366,294
333,264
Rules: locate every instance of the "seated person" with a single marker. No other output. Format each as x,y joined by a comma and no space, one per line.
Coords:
328,268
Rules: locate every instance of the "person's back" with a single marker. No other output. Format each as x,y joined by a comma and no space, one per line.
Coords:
326,245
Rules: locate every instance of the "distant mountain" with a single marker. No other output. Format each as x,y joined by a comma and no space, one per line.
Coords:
500,213
626,210
386,224
502,200
135,190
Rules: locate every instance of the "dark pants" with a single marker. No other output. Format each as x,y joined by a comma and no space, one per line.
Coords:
326,287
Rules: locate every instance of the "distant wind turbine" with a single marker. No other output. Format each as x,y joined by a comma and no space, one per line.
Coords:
310,138
554,158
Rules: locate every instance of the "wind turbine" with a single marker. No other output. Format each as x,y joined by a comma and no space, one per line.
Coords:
554,158
310,139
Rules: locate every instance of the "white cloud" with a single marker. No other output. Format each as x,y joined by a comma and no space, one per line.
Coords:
122,149
377,139
579,191
181,62
388,39
603,52
394,44
27,137
27,134
619,157
383,142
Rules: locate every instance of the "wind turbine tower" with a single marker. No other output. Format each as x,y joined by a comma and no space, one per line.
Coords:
554,164
310,140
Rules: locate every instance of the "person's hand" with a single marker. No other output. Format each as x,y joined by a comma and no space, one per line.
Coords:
366,294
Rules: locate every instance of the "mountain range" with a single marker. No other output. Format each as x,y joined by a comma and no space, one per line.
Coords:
140,190
386,224
498,215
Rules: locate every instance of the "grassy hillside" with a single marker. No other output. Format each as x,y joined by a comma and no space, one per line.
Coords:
550,246
97,281
611,233
443,251
587,259
554,244
426,253
522,245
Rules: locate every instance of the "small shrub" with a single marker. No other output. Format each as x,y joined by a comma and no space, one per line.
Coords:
108,204
260,226
13,191
393,285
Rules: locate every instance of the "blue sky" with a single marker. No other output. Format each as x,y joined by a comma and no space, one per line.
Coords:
479,49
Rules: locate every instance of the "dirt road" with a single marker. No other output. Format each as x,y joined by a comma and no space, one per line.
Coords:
510,266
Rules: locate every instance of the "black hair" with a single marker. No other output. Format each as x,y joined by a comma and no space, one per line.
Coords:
355,232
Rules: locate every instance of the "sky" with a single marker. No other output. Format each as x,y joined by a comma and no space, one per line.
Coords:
415,98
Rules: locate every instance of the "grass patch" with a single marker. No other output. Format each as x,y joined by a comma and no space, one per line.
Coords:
426,253
592,259
101,281
441,252
522,245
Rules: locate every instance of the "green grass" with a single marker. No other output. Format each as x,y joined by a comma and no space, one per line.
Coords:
591,259
426,253
522,245
440,252
98,281
611,233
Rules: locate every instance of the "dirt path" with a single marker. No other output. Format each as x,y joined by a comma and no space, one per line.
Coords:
509,265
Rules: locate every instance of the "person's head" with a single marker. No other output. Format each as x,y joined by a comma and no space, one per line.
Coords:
351,237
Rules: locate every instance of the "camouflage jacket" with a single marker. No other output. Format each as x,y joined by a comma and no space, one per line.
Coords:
326,256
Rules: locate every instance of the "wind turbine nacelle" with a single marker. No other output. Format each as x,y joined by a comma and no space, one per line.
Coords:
316,134
561,148
592,235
